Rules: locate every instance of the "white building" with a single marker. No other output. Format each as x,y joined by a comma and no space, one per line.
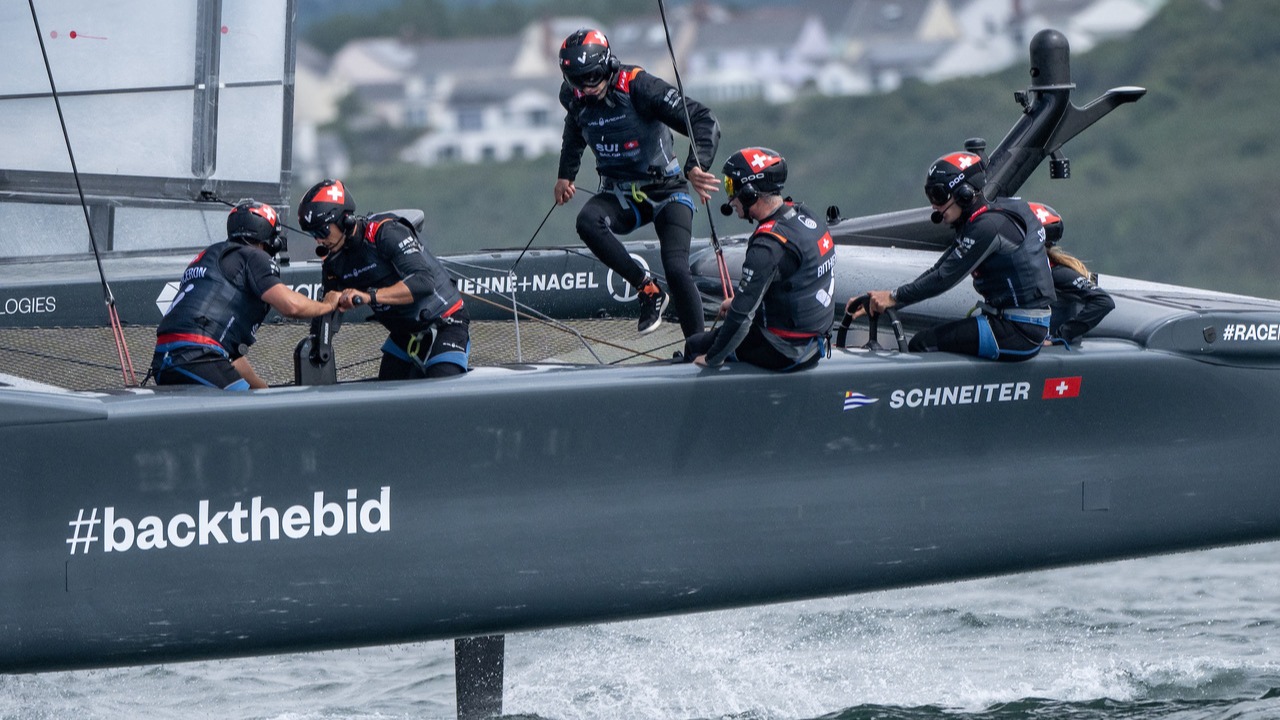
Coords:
772,54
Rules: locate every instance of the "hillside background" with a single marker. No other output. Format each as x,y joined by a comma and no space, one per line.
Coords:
1174,188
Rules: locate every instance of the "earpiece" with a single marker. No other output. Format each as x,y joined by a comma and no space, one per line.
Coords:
275,244
613,63
964,193
348,223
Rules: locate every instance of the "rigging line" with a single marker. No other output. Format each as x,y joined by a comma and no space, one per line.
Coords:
646,353
511,273
122,347
531,239
531,314
57,358
726,284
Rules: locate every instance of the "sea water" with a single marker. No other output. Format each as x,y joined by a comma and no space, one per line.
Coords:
1190,636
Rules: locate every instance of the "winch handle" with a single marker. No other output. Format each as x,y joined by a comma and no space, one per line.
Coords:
873,325
842,335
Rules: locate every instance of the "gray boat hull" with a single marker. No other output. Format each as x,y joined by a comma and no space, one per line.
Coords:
519,498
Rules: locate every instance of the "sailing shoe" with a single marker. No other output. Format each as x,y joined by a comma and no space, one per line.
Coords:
652,302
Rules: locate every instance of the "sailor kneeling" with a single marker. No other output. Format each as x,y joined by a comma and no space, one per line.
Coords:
781,316
225,293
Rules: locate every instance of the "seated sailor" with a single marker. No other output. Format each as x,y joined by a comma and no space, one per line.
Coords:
1001,245
1081,304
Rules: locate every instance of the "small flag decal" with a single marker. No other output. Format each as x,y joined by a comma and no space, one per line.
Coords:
854,400
1061,387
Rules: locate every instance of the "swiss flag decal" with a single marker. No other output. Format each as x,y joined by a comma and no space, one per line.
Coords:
825,244
758,159
1061,387
335,193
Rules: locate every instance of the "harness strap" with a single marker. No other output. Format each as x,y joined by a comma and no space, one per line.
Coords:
1030,316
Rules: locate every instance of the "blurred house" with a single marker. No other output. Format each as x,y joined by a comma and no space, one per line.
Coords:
770,54
316,152
480,99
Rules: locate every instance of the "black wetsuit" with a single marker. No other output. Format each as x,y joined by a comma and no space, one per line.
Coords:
782,311
429,337
1080,306
642,181
1010,270
215,317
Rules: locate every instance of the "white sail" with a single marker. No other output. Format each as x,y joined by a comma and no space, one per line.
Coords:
163,104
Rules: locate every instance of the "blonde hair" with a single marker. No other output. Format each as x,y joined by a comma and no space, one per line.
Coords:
1058,256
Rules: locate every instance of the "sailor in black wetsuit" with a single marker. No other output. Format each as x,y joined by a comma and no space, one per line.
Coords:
378,260
224,295
1001,244
781,316
625,115
1081,304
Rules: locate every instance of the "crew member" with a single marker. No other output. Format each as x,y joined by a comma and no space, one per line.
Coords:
224,295
1081,304
378,260
1001,244
625,115
781,316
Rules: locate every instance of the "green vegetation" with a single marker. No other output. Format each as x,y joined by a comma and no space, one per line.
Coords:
444,19
1173,188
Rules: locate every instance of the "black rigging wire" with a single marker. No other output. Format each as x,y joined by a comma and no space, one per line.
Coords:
122,347
725,281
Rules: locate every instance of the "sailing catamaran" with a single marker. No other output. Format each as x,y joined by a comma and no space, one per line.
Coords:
147,525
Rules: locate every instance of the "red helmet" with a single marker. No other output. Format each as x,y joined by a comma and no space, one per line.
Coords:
252,222
752,172
586,60
1051,220
960,175
326,202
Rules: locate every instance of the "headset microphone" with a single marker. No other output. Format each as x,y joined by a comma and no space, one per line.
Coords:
726,209
936,217
321,251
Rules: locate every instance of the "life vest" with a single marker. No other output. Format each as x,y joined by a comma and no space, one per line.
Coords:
627,146
1017,274
799,306
363,267
212,309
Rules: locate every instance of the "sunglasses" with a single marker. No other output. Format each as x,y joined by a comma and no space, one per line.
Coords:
321,233
937,194
588,80
730,187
